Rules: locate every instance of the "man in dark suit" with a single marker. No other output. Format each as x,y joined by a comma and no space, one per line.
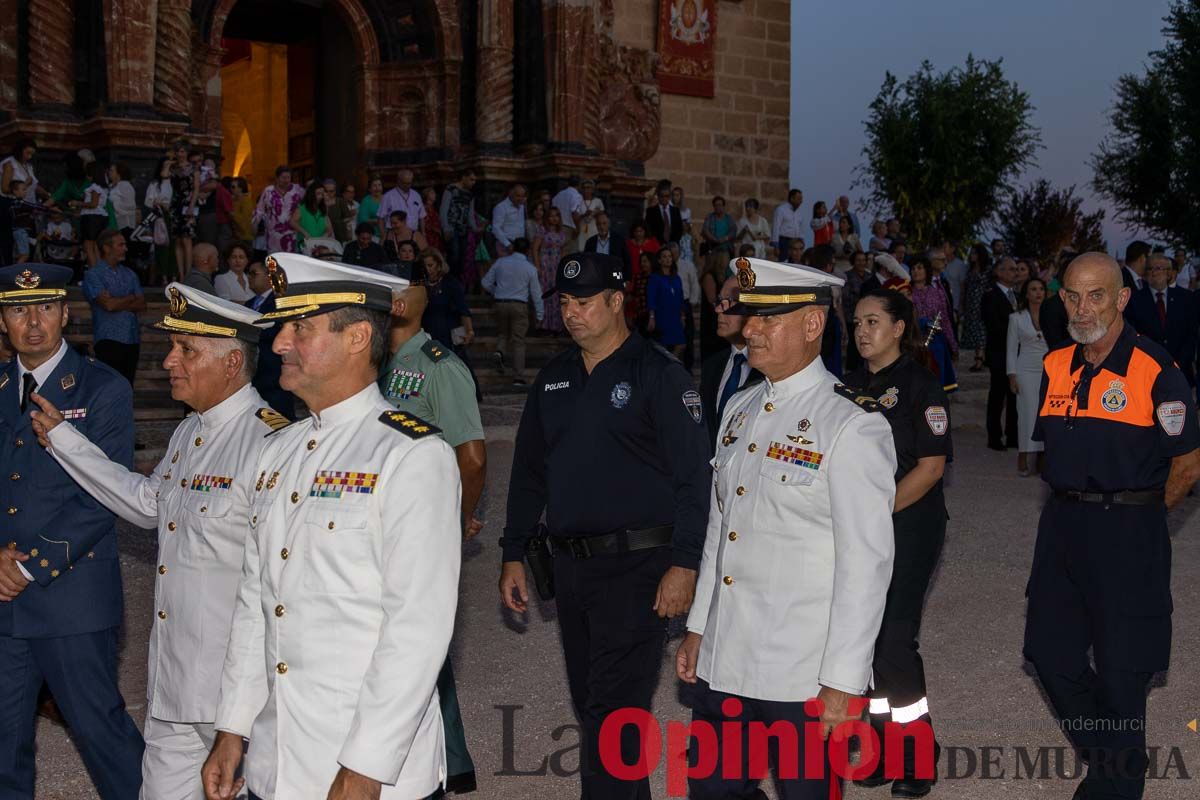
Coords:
60,578
998,303
609,241
1136,256
270,365
727,371
663,220
1166,314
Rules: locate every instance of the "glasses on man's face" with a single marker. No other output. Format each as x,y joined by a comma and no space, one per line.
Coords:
724,302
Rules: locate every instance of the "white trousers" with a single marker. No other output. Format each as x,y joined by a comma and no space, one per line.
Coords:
175,752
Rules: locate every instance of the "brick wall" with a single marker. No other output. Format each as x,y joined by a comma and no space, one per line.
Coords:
734,144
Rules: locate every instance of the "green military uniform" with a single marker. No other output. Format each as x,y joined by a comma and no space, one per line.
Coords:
429,381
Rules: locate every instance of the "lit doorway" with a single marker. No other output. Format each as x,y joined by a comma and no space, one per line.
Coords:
289,92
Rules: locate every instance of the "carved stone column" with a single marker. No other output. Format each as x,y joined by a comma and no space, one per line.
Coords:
129,32
570,38
173,57
52,47
494,82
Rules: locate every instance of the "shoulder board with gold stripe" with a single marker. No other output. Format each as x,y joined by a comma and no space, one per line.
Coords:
862,400
410,425
272,418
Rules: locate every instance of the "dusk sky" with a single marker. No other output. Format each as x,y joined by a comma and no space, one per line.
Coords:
1067,54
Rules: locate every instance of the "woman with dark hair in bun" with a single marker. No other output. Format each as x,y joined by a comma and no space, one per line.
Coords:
914,403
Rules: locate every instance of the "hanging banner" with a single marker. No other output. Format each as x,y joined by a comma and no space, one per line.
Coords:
687,37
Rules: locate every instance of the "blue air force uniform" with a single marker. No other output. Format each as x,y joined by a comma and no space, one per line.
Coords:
62,628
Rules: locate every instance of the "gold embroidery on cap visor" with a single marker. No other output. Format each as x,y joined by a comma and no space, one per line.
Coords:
33,295
197,328
296,305
28,279
775,299
745,274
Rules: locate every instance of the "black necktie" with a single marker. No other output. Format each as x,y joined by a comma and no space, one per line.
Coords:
29,383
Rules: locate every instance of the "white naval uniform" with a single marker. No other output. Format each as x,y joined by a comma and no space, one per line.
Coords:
346,606
798,553
198,498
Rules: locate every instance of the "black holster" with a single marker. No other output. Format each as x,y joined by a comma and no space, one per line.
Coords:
541,561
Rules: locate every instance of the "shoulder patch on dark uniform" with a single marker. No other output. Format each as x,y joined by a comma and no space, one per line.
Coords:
861,400
434,350
272,418
410,425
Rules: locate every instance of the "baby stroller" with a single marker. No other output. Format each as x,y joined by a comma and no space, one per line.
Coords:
326,249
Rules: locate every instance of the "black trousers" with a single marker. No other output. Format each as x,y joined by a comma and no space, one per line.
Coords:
1101,582
121,357
81,671
706,707
899,672
1001,400
613,642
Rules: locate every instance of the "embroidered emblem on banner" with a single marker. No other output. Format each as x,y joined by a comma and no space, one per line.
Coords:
332,484
405,383
1114,399
73,413
620,395
795,455
691,401
206,483
937,419
1171,416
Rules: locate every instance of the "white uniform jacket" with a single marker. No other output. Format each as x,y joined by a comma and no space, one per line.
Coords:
346,604
198,497
798,553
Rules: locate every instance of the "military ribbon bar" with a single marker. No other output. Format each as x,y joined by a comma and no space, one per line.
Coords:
795,455
328,483
206,483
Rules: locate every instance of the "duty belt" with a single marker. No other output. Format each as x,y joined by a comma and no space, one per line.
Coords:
580,547
1147,497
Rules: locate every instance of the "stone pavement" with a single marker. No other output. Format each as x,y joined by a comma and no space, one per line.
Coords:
512,681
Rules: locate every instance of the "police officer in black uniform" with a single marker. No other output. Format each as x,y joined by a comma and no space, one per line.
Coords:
613,448
1122,446
915,406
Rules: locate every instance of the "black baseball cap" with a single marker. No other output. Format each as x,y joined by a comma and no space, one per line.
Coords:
586,274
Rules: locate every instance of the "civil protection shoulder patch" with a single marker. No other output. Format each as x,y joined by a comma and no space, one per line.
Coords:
863,401
434,349
410,425
272,418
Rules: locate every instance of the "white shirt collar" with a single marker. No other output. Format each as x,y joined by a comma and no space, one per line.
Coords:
797,382
43,372
352,409
230,407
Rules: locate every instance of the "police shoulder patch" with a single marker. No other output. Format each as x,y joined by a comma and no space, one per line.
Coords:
434,349
863,401
410,425
272,418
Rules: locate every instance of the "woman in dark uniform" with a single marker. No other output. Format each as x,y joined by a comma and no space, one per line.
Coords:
915,405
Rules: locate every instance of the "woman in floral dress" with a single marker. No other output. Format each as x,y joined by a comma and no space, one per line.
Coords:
979,264
547,251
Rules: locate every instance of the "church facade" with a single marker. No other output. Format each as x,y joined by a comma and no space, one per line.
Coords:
530,90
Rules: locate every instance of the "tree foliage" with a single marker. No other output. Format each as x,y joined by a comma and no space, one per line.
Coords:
943,149
1041,221
1148,165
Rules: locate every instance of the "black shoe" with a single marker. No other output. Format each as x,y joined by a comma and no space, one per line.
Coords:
876,778
519,382
463,783
910,786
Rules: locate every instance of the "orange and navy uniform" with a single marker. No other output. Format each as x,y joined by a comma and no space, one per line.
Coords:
1117,426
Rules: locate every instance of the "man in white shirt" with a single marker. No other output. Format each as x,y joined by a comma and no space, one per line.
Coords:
788,223
508,219
570,205
198,497
799,548
955,274
403,197
1186,273
513,282
350,580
